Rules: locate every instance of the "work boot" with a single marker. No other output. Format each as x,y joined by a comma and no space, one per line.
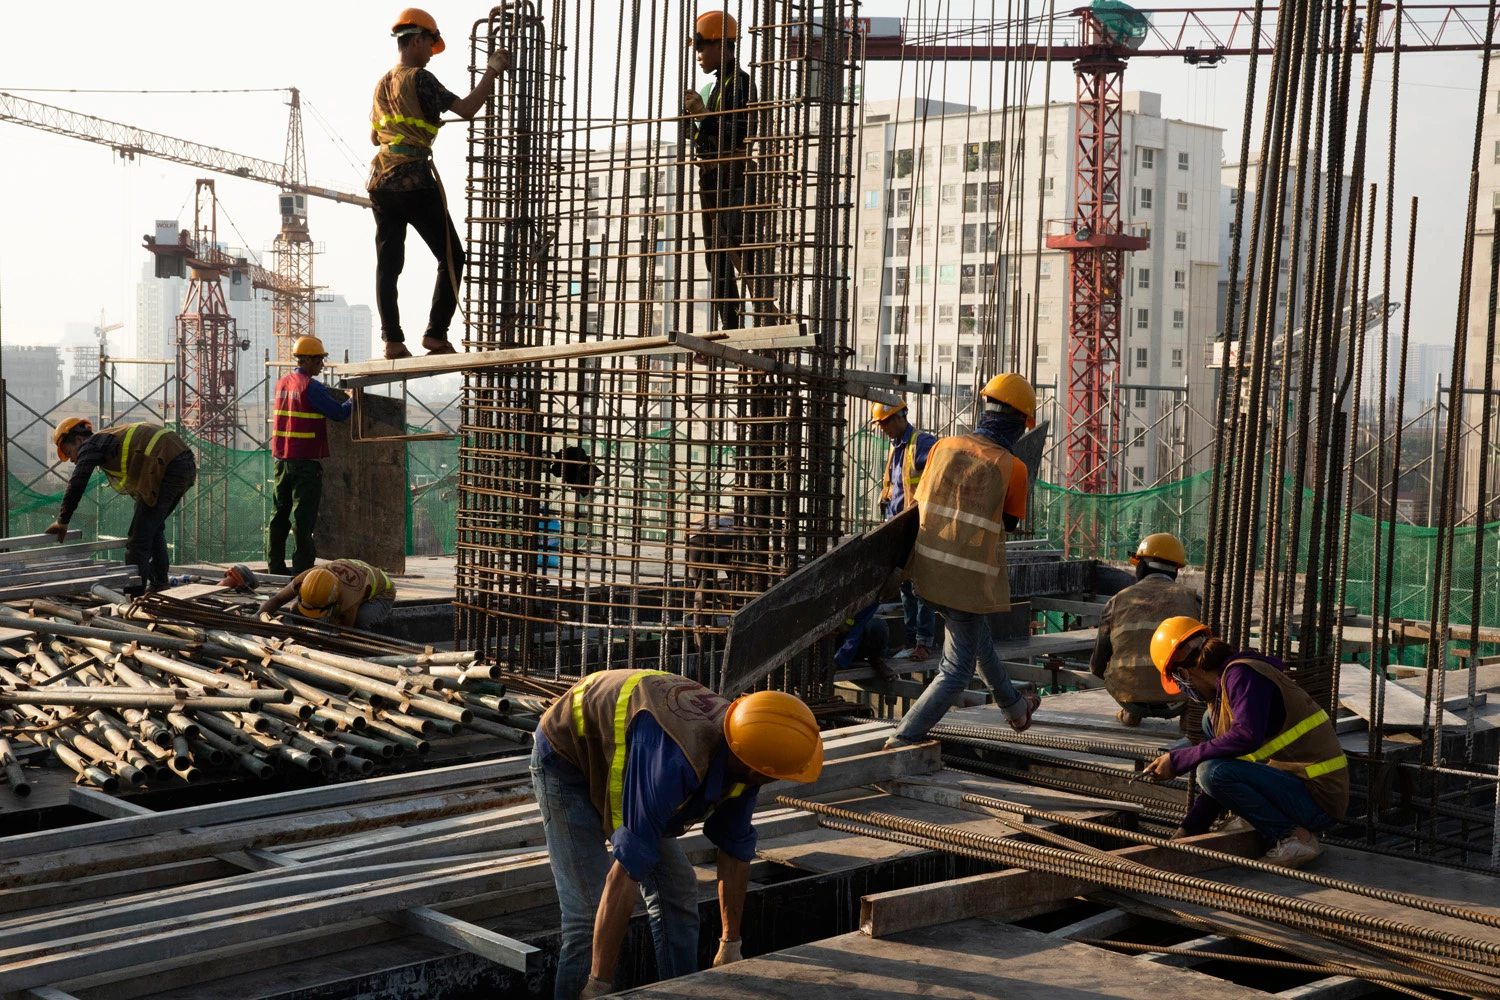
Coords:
395,350
1291,852
438,345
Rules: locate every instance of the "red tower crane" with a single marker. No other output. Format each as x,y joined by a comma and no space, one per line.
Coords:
1093,40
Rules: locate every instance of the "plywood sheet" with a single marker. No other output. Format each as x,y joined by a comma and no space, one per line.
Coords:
363,513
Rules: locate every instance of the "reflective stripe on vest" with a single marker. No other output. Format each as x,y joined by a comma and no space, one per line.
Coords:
377,576
907,478
1292,735
119,478
617,763
972,565
408,120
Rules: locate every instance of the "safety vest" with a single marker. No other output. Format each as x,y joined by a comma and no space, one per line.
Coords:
1307,745
958,560
1133,615
910,477
145,450
587,726
397,119
297,430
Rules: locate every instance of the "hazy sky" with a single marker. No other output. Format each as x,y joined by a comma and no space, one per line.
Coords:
75,214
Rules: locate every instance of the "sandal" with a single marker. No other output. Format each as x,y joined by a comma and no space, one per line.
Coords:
1032,704
434,345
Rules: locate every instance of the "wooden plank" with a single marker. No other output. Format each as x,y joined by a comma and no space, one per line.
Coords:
72,551
901,688
1402,707
110,578
365,487
1331,988
885,913
1100,925
188,591
745,359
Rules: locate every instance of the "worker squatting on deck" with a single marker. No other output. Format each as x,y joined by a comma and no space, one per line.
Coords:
972,492
299,443
1272,756
144,461
1122,651
639,756
352,591
404,188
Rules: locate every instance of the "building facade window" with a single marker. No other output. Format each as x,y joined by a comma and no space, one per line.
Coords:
1143,277
948,235
1138,475
971,237
1178,322
903,242
867,315
903,163
950,194
966,279
1143,319
1148,158
872,199
903,202
1182,201
1046,270
1143,198
874,159
923,274
1176,357
1140,399
965,359
947,274
869,275
1179,279
1043,350
1141,356
872,239
1181,241
1182,161
898,281
945,314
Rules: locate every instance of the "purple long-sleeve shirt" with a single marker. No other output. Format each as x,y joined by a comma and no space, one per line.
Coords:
1257,709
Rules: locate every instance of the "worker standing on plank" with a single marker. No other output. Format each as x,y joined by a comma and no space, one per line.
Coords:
404,189
352,591
299,443
1272,756
637,756
1122,652
972,492
144,461
719,127
903,471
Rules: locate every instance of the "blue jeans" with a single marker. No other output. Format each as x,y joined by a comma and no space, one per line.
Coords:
919,616
580,861
1272,801
966,642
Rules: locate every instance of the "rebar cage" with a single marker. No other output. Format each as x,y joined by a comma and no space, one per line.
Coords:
616,508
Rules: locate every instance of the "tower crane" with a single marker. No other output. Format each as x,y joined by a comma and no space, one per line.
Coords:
1099,40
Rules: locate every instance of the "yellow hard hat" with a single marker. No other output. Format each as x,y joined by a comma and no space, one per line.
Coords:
879,411
416,17
1161,547
775,734
308,347
714,26
317,593
1013,390
65,428
1169,637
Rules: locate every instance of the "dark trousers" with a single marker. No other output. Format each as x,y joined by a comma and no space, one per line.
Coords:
424,211
295,495
146,541
723,233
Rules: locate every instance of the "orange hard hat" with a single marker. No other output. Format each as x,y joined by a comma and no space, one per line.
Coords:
317,593
65,428
416,17
775,734
714,26
1168,638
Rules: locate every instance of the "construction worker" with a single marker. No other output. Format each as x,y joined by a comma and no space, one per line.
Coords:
404,189
299,443
1272,756
898,491
719,127
864,636
637,756
354,592
144,461
972,492
1122,652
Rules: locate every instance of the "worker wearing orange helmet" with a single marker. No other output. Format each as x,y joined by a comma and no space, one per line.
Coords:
299,443
638,756
1122,651
718,124
144,461
972,492
404,191
898,492
347,592
1272,756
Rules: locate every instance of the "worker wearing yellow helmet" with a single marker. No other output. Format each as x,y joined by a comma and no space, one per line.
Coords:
718,125
972,492
144,461
299,443
1122,651
1271,756
408,107
347,592
636,757
898,491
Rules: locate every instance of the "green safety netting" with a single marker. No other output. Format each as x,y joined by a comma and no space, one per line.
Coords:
223,518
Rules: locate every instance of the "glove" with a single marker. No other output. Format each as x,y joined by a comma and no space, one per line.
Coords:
692,102
596,987
59,529
729,951
498,62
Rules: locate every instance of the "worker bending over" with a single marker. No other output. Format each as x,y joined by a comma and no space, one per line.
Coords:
635,757
721,142
404,191
144,461
903,471
352,591
1272,756
299,443
1122,652
972,492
